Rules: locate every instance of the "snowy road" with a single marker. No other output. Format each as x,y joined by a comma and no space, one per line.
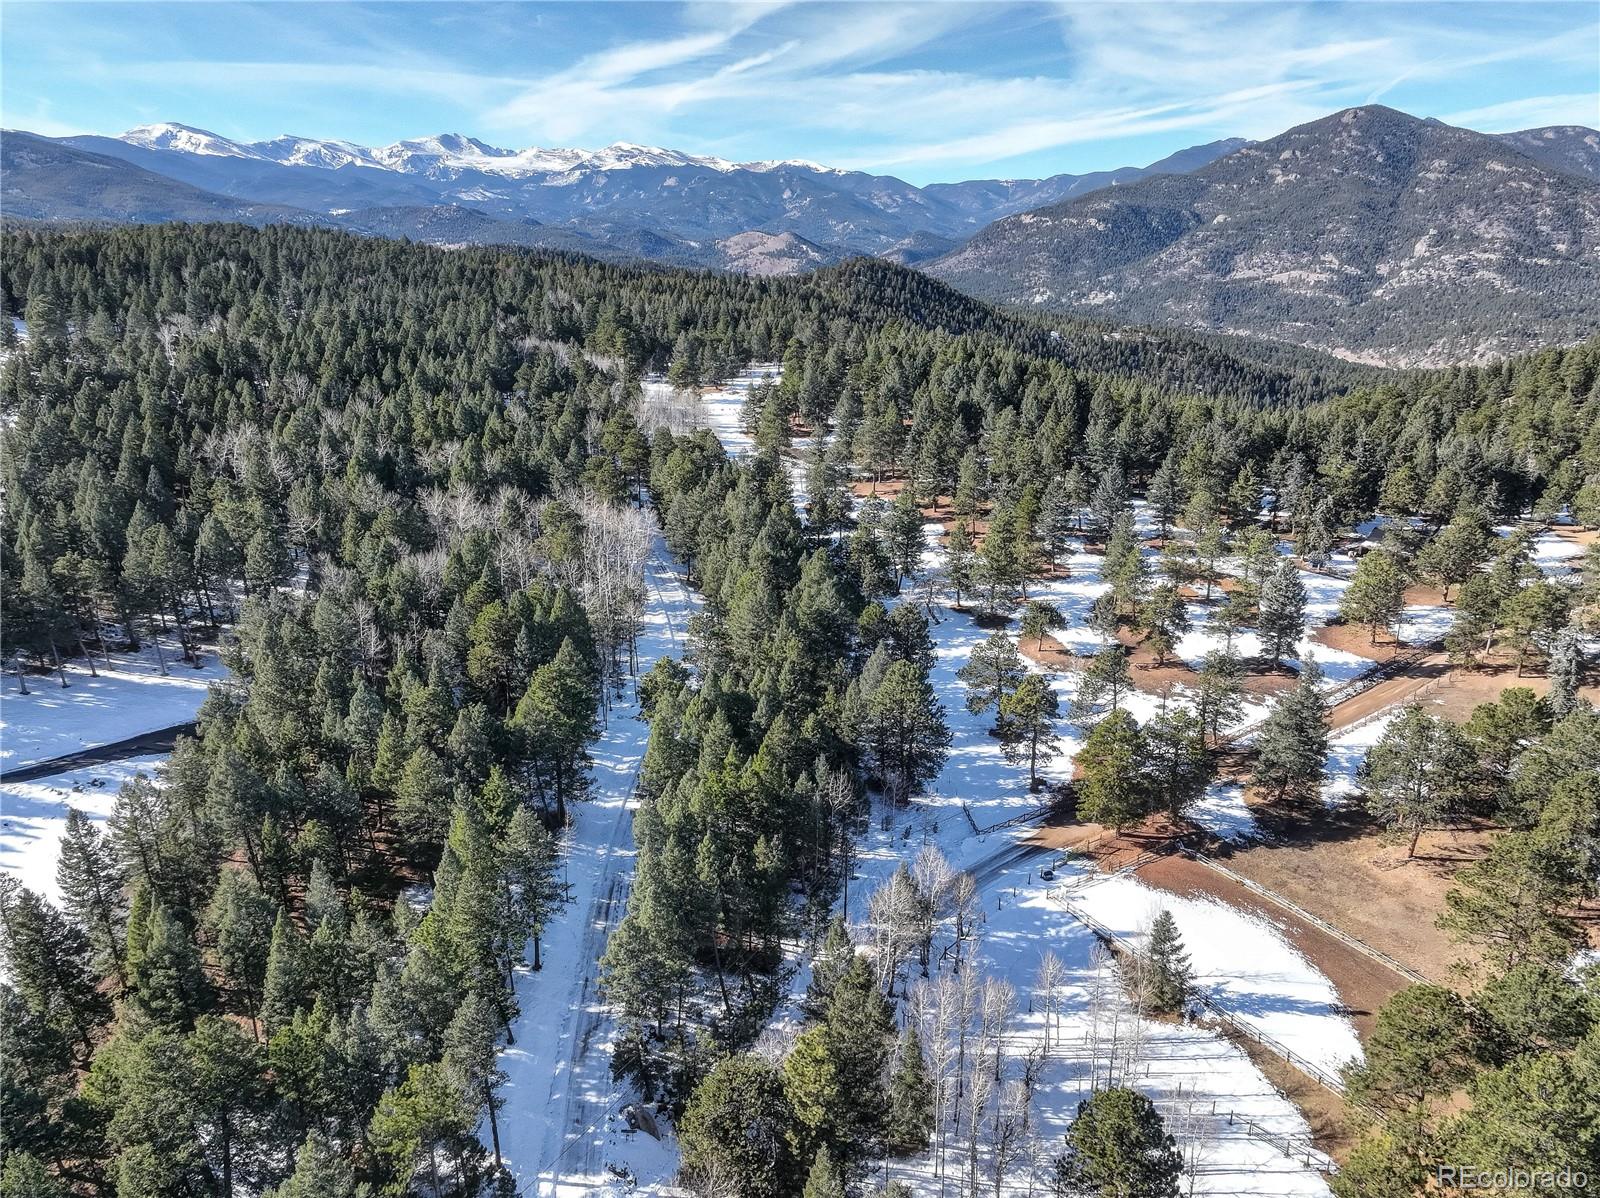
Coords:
561,1130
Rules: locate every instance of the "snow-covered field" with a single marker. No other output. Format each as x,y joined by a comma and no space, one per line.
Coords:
1223,812
52,721
1241,961
1195,1075
131,697
34,814
1555,555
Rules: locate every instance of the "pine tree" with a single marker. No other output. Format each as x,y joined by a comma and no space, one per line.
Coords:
227,1093
858,1032
558,716
1376,594
910,1117
529,867
91,880
811,1086
1169,979
1419,1052
1118,1145
1111,789
1210,548
169,985
1002,558
1164,494
824,1180
1176,762
284,983
1164,619
25,1177
733,1131
1283,612
1057,516
906,736
1419,773
1456,554
1039,620
992,671
422,800
1294,740
1219,690
960,568
424,1129
1513,905
903,537
472,1046
828,965
1107,678
49,963
1565,671
320,1171
1028,724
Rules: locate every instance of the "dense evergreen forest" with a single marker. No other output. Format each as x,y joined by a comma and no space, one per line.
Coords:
410,492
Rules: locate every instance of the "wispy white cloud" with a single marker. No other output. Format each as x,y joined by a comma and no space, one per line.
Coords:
935,89
1123,70
1580,108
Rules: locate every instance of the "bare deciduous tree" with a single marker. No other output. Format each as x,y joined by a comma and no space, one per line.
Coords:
1048,983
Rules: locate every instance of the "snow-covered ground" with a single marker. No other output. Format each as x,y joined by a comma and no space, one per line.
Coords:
1424,623
1555,555
34,814
131,697
1241,961
721,410
562,1131
52,721
1346,751
1223,812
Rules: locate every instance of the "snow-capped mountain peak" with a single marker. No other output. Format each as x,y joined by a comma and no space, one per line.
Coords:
186,139
314,151
623,154
768,165
445,155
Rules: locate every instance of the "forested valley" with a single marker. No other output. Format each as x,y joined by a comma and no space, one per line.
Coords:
410,493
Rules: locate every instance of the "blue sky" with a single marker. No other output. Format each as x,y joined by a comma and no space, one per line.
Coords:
930,91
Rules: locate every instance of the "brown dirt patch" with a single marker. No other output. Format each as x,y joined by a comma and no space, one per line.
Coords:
1148,674
1051,654
1107,848
1341,870
1357,639
1446,689
1422,592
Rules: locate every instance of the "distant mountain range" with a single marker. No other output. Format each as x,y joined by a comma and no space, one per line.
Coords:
621,201
1370,233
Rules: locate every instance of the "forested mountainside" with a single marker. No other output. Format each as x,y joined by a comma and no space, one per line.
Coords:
45,180
1369,233
1571,148
416,486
